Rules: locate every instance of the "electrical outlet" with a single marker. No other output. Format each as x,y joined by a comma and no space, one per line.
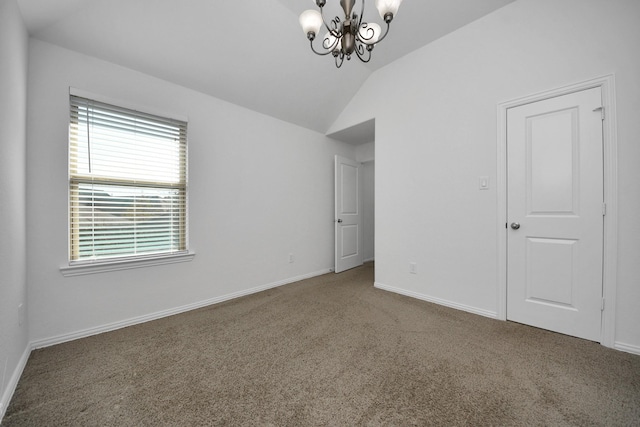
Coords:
413,268
483,182
290,258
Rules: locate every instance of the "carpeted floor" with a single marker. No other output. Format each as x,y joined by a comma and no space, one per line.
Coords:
331,350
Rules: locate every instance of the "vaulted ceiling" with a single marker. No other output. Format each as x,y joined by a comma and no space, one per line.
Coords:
248,52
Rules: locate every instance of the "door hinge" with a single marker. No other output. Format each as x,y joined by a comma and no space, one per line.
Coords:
604,209
602,305
601,109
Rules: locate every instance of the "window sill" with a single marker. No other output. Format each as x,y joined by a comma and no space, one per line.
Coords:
123,264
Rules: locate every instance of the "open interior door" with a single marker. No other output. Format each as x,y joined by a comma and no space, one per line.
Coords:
348,214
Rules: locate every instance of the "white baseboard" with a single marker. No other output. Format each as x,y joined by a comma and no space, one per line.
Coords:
369,259
629,348
15,377
46,342
13,382
634,349
446,303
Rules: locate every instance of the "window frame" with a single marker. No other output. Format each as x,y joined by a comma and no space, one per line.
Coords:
111,263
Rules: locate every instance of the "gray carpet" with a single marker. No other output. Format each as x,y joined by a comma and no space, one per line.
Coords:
331,350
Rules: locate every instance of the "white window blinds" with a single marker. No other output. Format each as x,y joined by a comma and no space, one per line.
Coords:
127,182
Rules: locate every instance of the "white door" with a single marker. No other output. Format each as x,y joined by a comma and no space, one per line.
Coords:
555,214
348,214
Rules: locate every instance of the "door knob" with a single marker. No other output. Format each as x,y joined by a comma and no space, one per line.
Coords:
339,220
515,225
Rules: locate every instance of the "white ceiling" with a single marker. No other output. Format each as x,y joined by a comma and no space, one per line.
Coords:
251,53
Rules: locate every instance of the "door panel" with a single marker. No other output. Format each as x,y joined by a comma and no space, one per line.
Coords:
555,194
551,265
349,186
349,241
552,179
348,214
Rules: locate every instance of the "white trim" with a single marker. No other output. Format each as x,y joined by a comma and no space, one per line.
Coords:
501,188
369,259
13,382
446,303
78,268
634,349
609,278
123,264
610,260
126,104
59,339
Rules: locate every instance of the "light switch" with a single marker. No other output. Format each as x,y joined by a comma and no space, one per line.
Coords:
483,182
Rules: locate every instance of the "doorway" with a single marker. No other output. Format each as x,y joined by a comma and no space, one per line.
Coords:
362,137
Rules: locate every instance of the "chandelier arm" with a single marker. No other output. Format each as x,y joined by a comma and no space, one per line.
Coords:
360,18
332,46
385,33
360,49
362,37
341,59
334,32
322,53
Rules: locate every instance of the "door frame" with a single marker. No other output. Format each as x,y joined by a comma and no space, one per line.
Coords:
610,232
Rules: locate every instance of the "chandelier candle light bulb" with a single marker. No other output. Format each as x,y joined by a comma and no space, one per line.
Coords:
351,34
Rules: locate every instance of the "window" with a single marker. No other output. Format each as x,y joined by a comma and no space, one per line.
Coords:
127,183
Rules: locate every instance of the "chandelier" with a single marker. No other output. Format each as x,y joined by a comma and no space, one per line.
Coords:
343,38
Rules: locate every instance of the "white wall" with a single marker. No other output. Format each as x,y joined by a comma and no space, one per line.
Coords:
366,152
259,189
368,210
13,291
435,113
